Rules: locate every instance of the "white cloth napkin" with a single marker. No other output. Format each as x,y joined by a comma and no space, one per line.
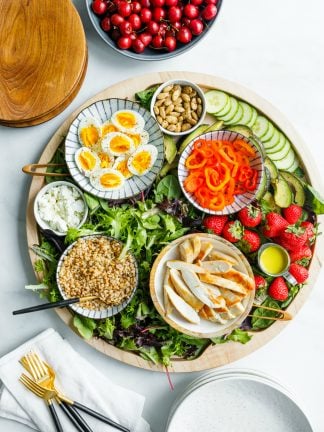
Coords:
76,378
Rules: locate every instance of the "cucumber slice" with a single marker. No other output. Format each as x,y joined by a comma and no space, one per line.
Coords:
247,113
254,117
287,161
233,109
281,143
282,153
269,134
261,126
215,101
236,119
294,165
225,110
273,141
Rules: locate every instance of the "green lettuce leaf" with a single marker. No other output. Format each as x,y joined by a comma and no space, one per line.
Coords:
84,325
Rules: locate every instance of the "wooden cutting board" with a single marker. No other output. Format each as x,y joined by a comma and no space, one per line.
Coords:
43,59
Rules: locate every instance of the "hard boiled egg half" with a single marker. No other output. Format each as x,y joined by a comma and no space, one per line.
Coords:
121,166
107,179
142,160
117,144
89,132
87,161
141,138
107,128
128,121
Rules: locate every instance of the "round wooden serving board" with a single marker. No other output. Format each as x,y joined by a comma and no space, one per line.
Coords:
217,355
43,59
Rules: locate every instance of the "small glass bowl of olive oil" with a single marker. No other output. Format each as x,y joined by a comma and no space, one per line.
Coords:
274,260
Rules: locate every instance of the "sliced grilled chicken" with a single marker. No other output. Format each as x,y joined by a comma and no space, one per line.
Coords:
240,278
216,266
196,245
214,254
230,297
180,265
193,283
211,315
168,308
186,311
205,249
223,282
183,291
186,251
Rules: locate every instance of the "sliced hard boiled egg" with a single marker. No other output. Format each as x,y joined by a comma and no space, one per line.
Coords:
107,179
87,161
142,160
121,166
106,160
89,132
107,128
141,138
117,144
128,121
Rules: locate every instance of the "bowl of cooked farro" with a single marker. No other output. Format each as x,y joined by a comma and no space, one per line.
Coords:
97,265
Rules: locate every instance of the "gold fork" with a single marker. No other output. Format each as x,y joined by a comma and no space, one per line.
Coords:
44,374
47,395
38,370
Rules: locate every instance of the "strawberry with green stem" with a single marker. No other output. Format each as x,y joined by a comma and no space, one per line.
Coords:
250,216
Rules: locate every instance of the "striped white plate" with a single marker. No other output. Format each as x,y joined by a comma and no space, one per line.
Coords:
103,110
92,313
242,200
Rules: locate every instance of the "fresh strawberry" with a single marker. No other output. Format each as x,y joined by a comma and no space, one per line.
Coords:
250,216
278,289
215,223
292,213
310,231
301,255
259,281
275,223
293,237
299,272
233,231
250,241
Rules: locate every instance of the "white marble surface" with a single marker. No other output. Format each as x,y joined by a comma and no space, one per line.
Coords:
276,49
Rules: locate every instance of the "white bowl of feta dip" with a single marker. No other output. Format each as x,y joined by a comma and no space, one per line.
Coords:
59,206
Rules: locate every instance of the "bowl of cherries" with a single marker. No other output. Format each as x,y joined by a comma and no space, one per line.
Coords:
152,29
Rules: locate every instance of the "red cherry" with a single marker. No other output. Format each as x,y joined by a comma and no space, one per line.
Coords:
170,3
176,25
99,7
174,14
133,36
126,28
124,9
157,41
146,15
116,20
163,28
186,22
211,2
184,35
209,12
191,11
105,24
153,27
145,3
111,7
146,38
136,7
197,2
170,32
157,3
170,43
138,46
124,42
135,21
196,26
158,14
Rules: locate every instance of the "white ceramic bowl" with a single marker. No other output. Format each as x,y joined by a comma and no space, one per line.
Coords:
240,201
44,225
182,83
205,329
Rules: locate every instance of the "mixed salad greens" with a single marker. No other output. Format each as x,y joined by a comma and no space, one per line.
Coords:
145,225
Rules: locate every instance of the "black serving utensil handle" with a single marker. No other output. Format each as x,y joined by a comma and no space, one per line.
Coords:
54,415
61,303
78,421
100,416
